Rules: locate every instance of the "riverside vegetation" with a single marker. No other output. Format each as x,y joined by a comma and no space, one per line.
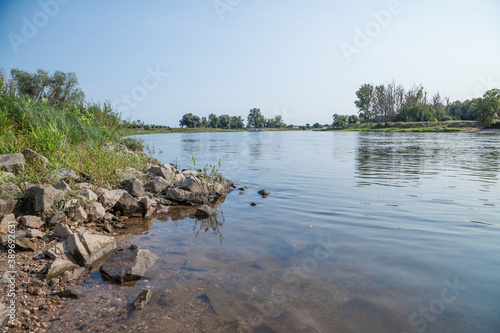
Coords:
68,185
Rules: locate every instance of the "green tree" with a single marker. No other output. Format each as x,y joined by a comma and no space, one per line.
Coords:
316,125
213,120
225,121
255,118
190,120
339,121
364,101
237,122
486,109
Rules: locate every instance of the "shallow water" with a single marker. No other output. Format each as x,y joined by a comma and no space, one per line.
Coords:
363,232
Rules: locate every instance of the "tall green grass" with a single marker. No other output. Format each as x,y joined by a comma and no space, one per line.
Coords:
77,138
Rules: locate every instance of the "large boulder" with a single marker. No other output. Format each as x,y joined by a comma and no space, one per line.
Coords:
161,172
193,184
128,173
33,157
10,190
87,248
183,196
12,163
109,198
7,205
42,198
134,187
127,265
127,205
158,185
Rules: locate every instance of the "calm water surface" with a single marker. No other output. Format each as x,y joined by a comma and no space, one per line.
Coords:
363,232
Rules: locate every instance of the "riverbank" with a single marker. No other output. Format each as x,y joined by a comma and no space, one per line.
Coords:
442,126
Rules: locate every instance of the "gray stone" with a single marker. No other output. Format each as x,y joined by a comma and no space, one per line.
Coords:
204,212
42,198
161,172
12,163
7,205
193,184
10,190
32,222
178,178
6,221
24,244
33,157
158,185
128,173
127,265
188,173
58,267
76,215
147,202
83,186
58,217
142,300
87,248
70,293
99,209
4,311
65,174
62,231
62,186
127,205
34,233
6,175
59,251
134,187
87,194
109,198
184,196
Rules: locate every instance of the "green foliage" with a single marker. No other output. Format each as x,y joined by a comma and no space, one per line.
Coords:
190,120
486,109
209,173
255,118
133,144
364,101
340,121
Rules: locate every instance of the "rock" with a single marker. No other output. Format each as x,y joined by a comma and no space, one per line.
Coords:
147,202
62,186
134,187
24,244
178,178
32,222
34,233
42,198
281,249
253,204
161,172
10,190
58,217
242,188
127,205
71,204
109,198
64,174
4,312
158,185
127,265
264,193
7,205
204,212
87,194
5,238
70,293
59,251
77,215
99,209
62,231
193,184
217,189
143,299
87,248
33,157
179,195
83,186
128,173
189,173
12,163
6,221
58,267
6,175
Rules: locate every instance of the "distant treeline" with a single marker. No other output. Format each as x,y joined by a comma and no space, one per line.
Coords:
254,119
391,102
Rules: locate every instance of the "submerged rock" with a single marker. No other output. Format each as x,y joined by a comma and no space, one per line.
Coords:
204,212
143,299
264,192
127,265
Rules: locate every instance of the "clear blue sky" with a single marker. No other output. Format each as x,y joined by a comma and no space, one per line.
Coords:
301,59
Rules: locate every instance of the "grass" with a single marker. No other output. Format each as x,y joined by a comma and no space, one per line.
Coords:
80,139
443,126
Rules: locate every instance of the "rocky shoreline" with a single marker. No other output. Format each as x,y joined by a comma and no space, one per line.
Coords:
53,235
